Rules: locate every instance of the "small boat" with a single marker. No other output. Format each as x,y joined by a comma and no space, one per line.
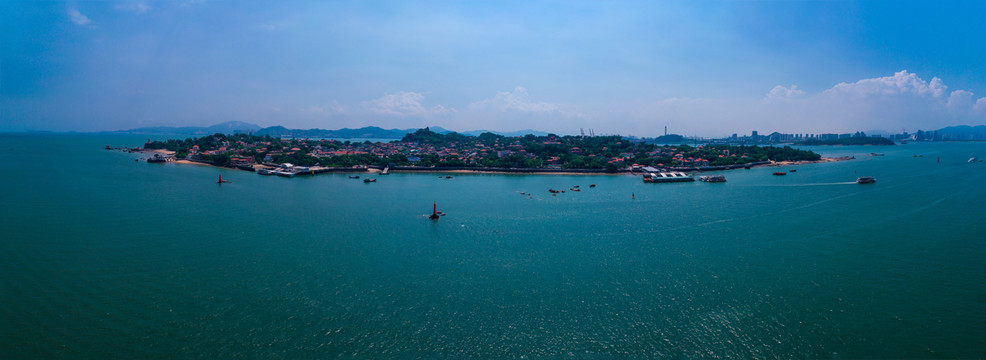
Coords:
972,159
865,180
449,177
221,179
264,171
793,170
875,154
354,176
779,173
712,179
592,185
369,180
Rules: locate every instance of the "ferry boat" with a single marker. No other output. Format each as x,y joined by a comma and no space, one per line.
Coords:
666,177
865,180
712,178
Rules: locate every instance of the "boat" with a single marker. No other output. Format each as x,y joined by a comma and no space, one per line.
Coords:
779,173
667,177
865,180
369,180
386,171
712,179
592,185
354,176
972,159
264,171
875,154
221,179
793,170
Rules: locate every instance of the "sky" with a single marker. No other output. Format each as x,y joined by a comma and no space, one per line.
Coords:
699,68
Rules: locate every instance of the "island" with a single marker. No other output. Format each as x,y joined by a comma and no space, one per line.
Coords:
426,150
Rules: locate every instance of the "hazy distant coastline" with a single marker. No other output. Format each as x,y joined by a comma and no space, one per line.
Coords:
951,133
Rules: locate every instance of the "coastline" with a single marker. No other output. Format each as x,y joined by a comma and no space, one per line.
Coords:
791,163
374,170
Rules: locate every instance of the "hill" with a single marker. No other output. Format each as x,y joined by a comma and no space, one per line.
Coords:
229,127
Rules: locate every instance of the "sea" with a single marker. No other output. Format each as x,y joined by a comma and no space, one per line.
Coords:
105,256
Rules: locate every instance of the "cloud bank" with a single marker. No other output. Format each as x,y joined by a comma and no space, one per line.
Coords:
903,100
77,17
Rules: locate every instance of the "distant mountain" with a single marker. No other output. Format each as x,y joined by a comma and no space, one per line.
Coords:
877,132
229,127
668,139
964,132
369,132
373,132
509,134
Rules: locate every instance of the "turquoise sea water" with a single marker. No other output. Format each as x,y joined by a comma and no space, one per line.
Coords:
106,257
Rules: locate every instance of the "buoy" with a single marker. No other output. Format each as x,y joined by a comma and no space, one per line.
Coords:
434,211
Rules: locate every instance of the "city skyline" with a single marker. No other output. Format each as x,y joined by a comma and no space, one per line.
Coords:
702,68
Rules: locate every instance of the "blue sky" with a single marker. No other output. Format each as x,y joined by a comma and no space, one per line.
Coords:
706,68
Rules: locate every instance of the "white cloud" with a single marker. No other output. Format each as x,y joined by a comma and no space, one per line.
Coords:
516,100
891,103
782,93
189,3
77,17
404,104
331,110
901,83
980,105
960,99
139,7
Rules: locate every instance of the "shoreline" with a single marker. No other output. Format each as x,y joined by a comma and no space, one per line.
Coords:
373,170
792,163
